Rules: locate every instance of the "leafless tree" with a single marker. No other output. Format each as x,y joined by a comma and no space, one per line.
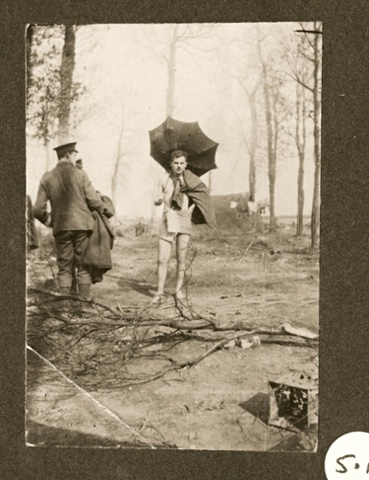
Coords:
311,52
276,111
315,214
118,158
246,72
252,144
300,138
179,37
174,39
251,140
300,68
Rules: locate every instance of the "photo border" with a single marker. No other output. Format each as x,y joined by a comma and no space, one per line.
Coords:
344,313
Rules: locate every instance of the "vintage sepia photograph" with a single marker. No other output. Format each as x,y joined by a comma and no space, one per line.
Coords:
173,235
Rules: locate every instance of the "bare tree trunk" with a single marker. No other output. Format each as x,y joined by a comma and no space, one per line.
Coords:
253,146
300,144
114,178
300,197
66,79
273,164
272,127
171,63
210,184
271,153
313,54
315,214
47,157
272,175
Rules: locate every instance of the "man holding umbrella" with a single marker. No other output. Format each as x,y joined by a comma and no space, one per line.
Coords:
186,153
181,194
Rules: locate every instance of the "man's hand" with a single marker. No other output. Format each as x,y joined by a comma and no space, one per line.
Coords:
108,213
48,222
158,201
191,209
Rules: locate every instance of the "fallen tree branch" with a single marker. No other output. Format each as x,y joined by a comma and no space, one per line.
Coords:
82,336
221,344
287,340
188,364
189,325
76,298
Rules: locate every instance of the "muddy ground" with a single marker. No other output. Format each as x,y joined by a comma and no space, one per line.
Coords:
98,389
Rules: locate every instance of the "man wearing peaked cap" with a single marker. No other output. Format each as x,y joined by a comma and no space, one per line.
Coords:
66,148
72,198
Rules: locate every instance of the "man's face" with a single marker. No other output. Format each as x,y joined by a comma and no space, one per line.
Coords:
73,157
178,165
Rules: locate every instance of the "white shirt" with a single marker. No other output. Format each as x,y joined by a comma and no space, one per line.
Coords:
164,191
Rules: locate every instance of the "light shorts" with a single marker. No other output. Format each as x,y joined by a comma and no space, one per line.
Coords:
174,222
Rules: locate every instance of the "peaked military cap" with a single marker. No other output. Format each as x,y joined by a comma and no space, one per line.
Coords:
66,148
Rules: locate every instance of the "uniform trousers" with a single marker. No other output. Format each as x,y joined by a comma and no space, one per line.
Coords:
70,249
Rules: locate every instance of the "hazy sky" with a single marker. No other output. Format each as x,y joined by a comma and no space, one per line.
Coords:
126,84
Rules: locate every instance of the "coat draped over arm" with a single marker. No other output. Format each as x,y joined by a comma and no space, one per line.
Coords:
199,195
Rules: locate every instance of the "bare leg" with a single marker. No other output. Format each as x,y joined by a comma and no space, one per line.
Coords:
163,258
182,246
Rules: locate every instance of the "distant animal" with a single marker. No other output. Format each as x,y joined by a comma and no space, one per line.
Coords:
262,205
240,204
243,206
141,229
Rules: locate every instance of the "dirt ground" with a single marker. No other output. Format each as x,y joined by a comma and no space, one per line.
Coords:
86,397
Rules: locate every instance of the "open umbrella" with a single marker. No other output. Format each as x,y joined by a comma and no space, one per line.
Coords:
175,135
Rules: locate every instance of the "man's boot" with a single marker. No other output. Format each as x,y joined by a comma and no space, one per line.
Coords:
65,304
84,294
64,290
84,290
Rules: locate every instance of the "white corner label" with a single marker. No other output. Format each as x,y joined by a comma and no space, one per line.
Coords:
348,457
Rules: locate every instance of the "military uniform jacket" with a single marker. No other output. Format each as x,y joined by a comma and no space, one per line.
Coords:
71,196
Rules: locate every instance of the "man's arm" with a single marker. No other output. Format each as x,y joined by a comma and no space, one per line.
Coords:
40,207
159,192
109,210
192,208
93,199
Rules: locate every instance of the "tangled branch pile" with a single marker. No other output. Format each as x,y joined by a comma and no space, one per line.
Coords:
108,347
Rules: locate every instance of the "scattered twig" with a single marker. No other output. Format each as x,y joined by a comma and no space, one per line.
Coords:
83,336
310,302
247,249
61,296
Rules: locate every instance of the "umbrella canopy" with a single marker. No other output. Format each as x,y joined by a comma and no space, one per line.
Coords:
175,135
